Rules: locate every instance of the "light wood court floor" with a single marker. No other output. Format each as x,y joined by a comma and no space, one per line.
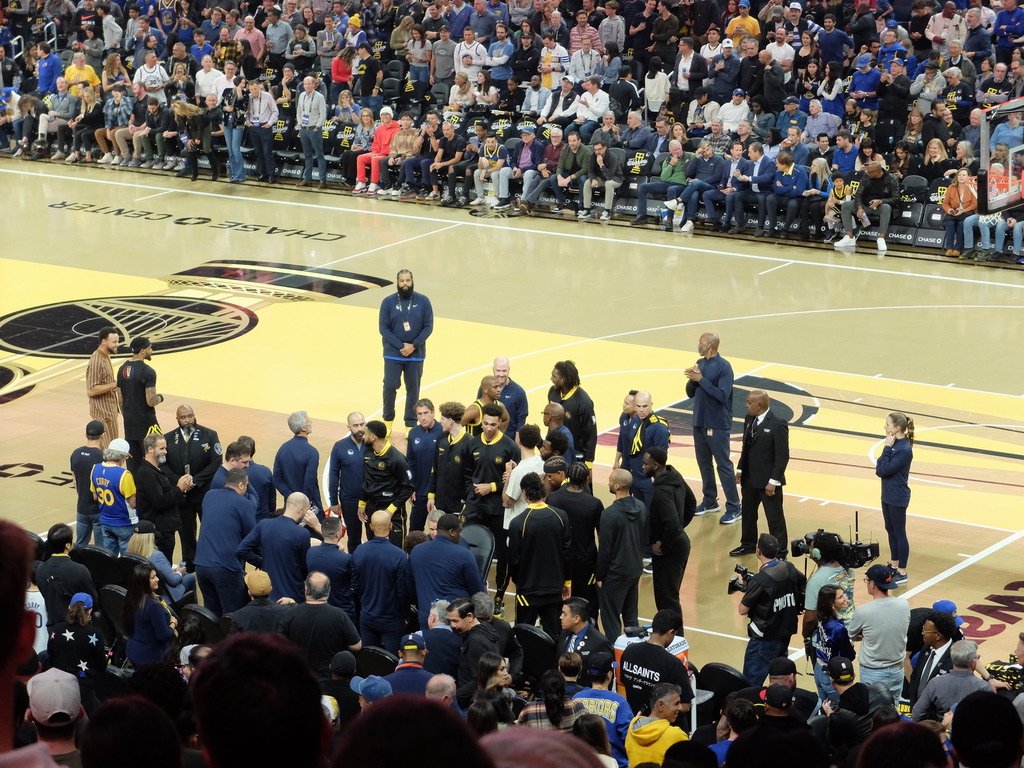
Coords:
264,301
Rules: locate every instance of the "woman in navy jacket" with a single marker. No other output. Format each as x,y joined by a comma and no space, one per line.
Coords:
149,624
893,466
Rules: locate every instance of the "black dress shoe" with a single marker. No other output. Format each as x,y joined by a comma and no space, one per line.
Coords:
742,549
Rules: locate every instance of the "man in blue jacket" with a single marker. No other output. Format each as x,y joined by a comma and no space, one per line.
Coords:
710,386
759,180
788,189
279,545
345,478
703,173
382,584
296,466
441,568
727,186
406,322
48,69
513,397
420,453
1008,26
228,517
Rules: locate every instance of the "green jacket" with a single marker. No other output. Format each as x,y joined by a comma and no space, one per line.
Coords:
565,159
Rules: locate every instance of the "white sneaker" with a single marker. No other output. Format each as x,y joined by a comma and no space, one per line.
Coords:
373,189
846,242
395,192
105,159
687,227
478,200
881,244
605,215
674,205
360,186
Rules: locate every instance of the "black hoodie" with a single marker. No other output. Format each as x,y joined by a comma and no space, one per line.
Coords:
672,507
478,641
620,543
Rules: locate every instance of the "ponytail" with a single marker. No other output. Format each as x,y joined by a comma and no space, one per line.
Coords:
903,423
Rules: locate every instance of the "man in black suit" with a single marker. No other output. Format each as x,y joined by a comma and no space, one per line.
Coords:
192,450
934,659
578,634
761,471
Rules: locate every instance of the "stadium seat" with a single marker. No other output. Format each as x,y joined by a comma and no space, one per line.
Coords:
38,545
395,68
210,629
391,90
915,189
721,680
909,215
126,564
371,660
538,652
102,565
934,217
481,544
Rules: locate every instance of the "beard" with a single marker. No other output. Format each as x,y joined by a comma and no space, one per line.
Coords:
161,459
405,293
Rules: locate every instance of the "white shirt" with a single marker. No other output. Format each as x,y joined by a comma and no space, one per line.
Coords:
513,489
205,82
683,73
592,106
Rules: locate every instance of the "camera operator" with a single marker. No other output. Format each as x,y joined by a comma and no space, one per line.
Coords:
773,598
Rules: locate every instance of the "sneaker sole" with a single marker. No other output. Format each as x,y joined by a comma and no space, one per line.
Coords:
702,512
726,520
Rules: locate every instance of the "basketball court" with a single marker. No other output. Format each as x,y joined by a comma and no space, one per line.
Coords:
264,301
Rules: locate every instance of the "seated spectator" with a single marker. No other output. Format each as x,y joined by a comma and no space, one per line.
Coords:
987,731
55,708
819,122
844,159
339,687
959,202
601,699
149,624
410,676
371,689
903,162
571,169
650,736
942,693
702,173
400,731
788,189
79,648
257,703
260,615
878,192
726,187
131,731
590,730
59,577
552,708
903,745
444,646
177,581
737,716
318,628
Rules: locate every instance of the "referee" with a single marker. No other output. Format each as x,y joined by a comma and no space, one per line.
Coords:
387,481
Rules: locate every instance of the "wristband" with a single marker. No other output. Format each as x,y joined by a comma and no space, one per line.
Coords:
392,508
494,487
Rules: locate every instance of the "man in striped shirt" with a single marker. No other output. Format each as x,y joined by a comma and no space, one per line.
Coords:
101,386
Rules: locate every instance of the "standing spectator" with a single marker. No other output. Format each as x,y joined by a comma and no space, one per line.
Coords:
318,628
830,639
761,471
83,459
882,626
228,518
1008,26
114,488
864,83
101,386
646,663
311,112
158,495
59,577
710,386
893,467
772,600
260,119
279,545
296,465
382,585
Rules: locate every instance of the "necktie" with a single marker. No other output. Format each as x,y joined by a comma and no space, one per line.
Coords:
926,672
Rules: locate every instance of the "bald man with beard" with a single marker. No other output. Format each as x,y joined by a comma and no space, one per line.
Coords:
761,471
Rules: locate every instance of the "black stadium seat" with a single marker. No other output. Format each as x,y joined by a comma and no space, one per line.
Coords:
481,544
102,565
371,660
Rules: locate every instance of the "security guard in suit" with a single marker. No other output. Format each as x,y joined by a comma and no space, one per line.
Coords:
761,471
194,450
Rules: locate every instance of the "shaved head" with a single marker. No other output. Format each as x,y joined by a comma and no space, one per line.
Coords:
380,523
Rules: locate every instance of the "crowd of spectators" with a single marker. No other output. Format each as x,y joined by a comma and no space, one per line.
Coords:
818,119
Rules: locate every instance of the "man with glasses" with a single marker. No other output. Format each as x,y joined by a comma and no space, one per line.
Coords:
881,625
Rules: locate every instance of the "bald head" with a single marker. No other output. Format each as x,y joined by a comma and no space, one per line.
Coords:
707,345
296,506
757,402
620,480
380,523
554,415
501,369
643,403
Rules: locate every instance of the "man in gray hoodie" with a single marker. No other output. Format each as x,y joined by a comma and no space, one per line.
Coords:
620,556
